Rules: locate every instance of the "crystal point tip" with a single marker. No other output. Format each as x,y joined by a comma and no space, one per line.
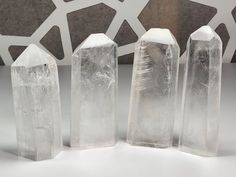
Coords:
95,40
159,35
33,56
205,33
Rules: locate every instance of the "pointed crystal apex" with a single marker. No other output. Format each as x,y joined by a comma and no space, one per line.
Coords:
159,35
205,33
96,40
33,56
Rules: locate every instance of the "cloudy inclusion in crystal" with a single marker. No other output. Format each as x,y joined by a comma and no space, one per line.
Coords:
154,89
201,93
93,94
37,104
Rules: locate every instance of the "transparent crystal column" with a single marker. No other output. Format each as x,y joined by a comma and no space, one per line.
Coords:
94,92
37,104
154,89
201,95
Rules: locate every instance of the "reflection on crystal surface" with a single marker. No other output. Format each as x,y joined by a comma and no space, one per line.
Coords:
37,104
94,89
201,95
154,89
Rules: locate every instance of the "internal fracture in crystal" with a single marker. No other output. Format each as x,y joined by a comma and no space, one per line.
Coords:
94,92
154,89
37,104
201,95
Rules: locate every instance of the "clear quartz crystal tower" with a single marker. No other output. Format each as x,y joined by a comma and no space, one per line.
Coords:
154,89
37,104
201,93
94,92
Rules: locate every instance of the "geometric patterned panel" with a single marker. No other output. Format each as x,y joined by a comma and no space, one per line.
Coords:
93,19
59,26
234,14
182,17
126,59
125,35
52,41
23,17
234,57
1,61
222,31
15,51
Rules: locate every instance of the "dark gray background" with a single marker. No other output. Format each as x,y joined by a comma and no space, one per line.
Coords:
21,21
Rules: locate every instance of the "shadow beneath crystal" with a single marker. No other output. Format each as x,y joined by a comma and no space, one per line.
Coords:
175,142
9,150
122,137
8,153
223,152
66,141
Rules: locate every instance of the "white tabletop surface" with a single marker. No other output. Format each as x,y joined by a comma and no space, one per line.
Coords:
123,159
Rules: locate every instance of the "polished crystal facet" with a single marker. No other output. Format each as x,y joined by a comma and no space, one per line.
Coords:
37,104
93,94
154,89
201,95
